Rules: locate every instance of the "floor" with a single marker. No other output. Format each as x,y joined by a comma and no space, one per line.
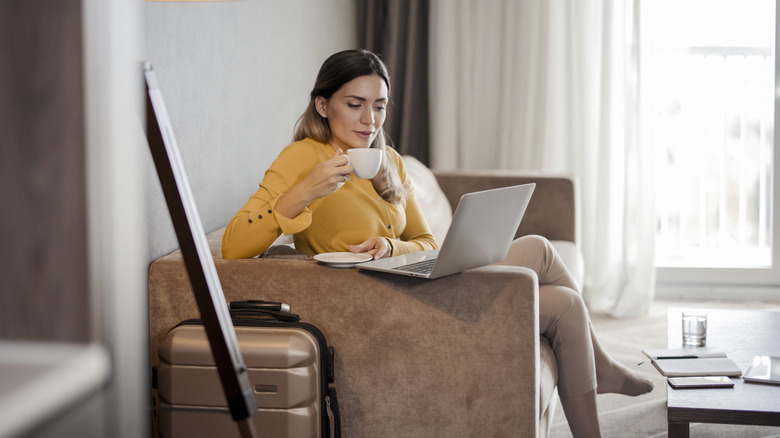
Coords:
645,415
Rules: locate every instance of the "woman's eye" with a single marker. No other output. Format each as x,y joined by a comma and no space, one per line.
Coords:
353,105
379,108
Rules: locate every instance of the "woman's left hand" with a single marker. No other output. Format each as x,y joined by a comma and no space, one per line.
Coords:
376,247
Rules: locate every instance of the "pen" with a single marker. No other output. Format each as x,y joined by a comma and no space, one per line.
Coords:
676,357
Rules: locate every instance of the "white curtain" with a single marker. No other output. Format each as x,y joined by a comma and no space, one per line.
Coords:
553,86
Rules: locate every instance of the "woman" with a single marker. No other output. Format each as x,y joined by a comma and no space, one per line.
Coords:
308,192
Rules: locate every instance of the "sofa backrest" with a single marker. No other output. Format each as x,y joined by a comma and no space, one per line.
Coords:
551,213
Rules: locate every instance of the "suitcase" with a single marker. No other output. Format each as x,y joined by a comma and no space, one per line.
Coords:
290,366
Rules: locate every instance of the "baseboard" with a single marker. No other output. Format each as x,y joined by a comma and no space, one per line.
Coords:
718,292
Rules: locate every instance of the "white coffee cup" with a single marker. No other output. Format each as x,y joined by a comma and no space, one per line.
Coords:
365,161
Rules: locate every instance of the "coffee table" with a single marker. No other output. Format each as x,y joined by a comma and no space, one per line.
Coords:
741,335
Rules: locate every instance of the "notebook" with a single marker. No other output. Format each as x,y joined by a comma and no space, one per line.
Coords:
710,366
684,353
482,229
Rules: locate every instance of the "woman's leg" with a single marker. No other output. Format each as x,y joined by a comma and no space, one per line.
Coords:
582,415
583,365
614,377
563,320
538,254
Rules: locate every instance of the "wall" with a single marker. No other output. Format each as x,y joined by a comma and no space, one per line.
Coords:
235,77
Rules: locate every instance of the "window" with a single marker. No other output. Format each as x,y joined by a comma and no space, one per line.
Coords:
708,71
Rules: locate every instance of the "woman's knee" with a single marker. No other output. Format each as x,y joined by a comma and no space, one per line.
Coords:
564,320
529,250
558,301
533,240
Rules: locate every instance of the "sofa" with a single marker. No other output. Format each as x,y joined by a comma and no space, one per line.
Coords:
458,356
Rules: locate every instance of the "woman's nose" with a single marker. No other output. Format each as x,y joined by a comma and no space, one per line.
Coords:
367,118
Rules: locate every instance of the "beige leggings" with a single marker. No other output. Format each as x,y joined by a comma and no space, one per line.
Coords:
563,317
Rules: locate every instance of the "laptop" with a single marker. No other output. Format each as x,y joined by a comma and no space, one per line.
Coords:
483,227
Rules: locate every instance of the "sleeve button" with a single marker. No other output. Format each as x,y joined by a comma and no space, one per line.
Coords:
269,211
389,226
250,221
259,216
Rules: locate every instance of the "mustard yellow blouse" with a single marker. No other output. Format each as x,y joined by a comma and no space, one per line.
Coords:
350,215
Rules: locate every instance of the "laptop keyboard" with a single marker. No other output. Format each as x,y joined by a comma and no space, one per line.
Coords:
423,267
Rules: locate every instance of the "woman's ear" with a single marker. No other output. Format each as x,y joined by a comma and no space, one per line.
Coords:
321,105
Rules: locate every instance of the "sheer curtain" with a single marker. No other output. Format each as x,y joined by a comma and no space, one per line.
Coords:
553,86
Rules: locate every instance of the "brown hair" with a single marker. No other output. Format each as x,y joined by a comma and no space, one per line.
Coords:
336,71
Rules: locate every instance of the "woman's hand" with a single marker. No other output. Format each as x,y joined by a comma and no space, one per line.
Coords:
376,247
328,176
325,178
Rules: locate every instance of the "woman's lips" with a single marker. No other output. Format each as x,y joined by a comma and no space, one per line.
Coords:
364,134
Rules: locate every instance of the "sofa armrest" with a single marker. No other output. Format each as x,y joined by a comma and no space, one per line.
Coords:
552,212
456,356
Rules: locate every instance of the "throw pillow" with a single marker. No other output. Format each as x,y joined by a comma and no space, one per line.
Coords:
436,208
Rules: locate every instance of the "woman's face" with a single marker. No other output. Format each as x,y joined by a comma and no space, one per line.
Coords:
355,112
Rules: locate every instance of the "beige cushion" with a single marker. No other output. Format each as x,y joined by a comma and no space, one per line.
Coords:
430,197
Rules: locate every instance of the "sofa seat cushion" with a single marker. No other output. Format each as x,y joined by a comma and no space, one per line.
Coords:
548,379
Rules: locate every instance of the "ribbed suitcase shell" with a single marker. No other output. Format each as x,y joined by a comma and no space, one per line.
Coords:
284,366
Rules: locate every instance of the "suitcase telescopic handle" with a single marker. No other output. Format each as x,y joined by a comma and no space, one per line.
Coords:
258,313
260,305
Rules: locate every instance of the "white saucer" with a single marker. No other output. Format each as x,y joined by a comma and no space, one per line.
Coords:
342,259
